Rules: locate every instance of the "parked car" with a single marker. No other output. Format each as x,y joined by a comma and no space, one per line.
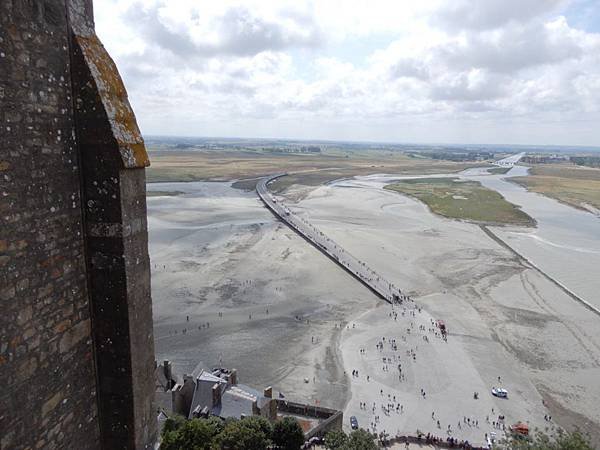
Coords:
499,392
354,423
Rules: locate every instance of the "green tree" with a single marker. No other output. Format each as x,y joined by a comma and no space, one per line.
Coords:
195,434
360,440
336,440
173,423
252,433
287,434
541,441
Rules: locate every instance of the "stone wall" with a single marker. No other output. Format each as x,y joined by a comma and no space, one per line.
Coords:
76,346
329,419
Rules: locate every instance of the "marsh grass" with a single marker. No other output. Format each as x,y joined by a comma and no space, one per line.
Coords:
463,200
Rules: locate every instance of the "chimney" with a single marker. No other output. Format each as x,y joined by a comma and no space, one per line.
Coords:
233,377
268,392
196,412
216,394
168,370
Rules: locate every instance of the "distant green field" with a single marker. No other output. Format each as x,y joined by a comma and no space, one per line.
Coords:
463,200
305,169
573,185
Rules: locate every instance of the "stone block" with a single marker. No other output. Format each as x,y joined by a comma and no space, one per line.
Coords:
27,369
24,315
51,403
74,335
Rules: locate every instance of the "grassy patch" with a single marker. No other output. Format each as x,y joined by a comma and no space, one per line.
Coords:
575,186
468,201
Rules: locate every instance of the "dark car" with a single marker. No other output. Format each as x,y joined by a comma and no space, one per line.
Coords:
354,423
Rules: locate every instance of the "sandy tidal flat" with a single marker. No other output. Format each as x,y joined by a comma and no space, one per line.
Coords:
505,321
261,299
258,297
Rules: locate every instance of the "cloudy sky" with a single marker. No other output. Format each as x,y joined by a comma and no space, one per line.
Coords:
459,71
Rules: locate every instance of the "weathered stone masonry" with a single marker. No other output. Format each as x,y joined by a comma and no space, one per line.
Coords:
76,347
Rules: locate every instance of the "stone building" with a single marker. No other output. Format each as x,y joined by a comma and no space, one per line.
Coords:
217,393
76,343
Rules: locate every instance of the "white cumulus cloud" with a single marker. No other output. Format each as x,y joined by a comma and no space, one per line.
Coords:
427,71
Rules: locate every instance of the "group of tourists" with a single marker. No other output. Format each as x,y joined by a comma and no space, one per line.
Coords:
388,347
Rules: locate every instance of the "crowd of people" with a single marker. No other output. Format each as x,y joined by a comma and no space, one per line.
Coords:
401,352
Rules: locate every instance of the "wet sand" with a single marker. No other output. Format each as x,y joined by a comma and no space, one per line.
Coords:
218,250
505,320
566,242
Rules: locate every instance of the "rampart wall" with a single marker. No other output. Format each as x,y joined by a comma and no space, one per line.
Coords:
76,345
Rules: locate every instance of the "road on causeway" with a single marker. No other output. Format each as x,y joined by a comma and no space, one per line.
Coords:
357,268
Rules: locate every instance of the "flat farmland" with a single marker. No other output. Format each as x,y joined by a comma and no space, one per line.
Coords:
311,170
573,185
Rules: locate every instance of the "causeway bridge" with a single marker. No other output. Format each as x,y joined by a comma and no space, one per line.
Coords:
509,161
357,268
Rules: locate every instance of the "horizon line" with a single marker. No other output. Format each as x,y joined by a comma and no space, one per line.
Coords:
430,144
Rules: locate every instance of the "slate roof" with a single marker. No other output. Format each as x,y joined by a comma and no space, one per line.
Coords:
236,400
203,390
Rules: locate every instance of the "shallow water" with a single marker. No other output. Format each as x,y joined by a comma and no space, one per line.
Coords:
198,208
566,242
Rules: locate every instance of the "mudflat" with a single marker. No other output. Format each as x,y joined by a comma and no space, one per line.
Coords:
505,320
234,287
261,299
